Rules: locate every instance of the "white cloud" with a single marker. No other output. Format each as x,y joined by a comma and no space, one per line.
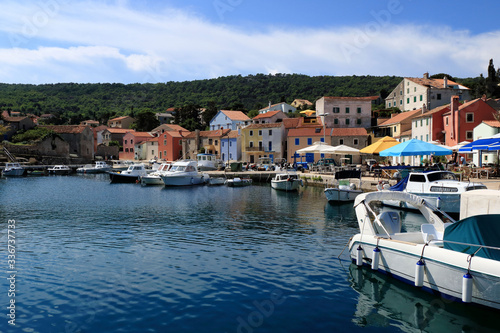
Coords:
112,39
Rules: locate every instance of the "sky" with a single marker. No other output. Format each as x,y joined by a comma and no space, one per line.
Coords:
150,41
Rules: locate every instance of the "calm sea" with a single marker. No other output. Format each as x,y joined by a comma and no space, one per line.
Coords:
98,257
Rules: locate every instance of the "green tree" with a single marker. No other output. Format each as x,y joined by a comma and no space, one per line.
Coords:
145,121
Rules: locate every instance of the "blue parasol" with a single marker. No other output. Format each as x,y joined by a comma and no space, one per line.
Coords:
415,147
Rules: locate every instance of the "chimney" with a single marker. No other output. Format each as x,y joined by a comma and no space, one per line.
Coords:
454,103
445,82
483,98
426,76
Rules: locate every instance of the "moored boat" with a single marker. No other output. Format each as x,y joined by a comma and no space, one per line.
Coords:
98,167
132,175
346,190
184,173
207,162
286,182
13,169
154,178
458,259
238,182
59,170
441,189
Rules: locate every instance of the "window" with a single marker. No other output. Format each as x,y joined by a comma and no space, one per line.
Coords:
250,144
355,142
270,132
165,136
341,141
469,117
414,89
209,141
335,121
230,143
260,145
164,142
389,104
347,121
216,142
416,123
336,110
131,141
347,110
270,145
297,141
427,121
125,142
260,132
126,150
469,135
359,109
421,122
427,138
153,152
421,138
414,99
358,121
400,102
420,98
131,150
309,141
408,100
395,129
250,133
407,90
446,121
438,96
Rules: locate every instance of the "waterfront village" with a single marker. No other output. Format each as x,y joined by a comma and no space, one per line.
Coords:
433,110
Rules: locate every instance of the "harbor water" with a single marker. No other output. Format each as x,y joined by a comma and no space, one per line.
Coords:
91,256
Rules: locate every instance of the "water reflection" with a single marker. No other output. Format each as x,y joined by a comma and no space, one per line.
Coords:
384,302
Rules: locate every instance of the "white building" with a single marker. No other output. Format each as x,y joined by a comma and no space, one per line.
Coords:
411,93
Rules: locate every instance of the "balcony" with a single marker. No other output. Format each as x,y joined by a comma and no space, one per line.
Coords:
254,149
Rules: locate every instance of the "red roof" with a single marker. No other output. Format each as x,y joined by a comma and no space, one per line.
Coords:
401,117
115,130
266,115
352,131
368,98
264,125
435,83
492,123
306,131
120,118
291,122
235,115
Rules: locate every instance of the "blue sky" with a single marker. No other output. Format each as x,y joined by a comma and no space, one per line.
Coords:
50,41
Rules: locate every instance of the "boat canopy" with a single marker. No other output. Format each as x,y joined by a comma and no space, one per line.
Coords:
401,185
346,174
483,230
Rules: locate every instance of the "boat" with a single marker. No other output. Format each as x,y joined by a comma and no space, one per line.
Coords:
286,182
459,260
216,181
441,189
238,182
98,167
132,175
154,178
119,165
59,170
207,162
184,173
346,190
13,169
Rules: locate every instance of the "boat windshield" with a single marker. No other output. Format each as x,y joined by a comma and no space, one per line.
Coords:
441,176
178,168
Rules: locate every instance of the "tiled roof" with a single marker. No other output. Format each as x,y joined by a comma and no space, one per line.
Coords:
208,134
14,119
235,115
435,83
266,115
141,134
441,108
306,131
119,118
291,122
492,123
368,98
466,105
115,130
65,129
405,133
401,117
169,127
263,125
353,131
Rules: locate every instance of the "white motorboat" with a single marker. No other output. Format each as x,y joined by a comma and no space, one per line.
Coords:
345,190
132,175
98,167
184,173
441,189
59,170
207,162
238,182
458,259
286,182
154,178
119,165
13,169
216,181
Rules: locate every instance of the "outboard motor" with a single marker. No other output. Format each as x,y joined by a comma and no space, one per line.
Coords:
391,222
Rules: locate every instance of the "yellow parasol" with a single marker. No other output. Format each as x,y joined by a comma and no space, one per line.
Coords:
382,144
308,113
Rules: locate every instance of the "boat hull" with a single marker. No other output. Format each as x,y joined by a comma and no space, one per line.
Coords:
60,172
151,180
341,195
239,183
443,270
286,185
172,180
123,178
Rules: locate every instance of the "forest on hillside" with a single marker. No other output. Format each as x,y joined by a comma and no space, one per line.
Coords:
73,102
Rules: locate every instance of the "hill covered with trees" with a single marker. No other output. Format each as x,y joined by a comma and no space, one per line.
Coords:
72,102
